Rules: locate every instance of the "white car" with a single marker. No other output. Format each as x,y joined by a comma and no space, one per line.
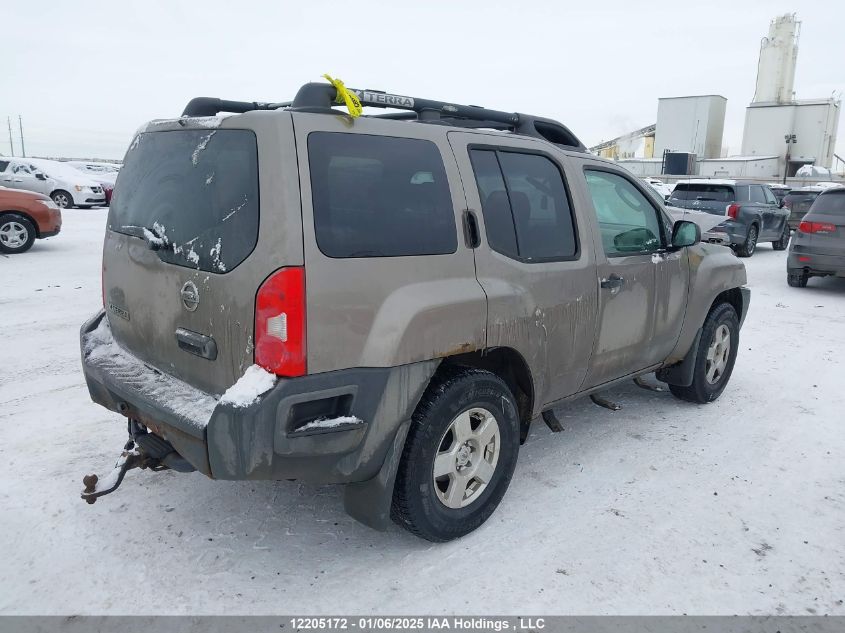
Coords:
71,187
660,187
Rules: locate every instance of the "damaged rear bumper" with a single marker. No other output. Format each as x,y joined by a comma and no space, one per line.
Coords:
267,439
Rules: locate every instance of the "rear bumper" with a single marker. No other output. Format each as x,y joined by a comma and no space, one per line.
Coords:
265,439
807,260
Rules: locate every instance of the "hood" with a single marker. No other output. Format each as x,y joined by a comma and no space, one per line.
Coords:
704,220
20,194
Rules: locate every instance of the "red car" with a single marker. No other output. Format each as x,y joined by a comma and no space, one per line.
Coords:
24,217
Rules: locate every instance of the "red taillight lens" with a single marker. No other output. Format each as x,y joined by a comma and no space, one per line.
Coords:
280,323
816,227
732,211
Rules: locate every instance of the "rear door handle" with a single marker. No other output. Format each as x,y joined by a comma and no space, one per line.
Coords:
196,343
612,283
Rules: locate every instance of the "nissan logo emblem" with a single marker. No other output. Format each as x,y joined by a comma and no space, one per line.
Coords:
190,296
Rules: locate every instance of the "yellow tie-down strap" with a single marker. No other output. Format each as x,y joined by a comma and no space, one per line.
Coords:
345,96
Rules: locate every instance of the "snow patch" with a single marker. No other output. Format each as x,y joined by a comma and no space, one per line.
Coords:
103,352
255,381
330,423
203,143
214,253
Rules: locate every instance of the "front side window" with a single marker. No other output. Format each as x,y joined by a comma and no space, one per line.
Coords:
526,209
379,196
628,222
770,197
757,194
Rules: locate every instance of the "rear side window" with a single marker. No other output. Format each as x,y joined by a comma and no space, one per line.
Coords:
526,209
3,165
704,192
830,204
379,196
194,192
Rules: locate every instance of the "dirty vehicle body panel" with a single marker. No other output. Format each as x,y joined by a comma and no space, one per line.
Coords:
744,203
421,245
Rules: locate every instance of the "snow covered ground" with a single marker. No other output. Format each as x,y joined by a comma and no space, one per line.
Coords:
663,507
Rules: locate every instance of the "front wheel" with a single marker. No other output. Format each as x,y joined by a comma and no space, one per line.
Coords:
747,248
62,199
16,234
459,456
714,361
783,242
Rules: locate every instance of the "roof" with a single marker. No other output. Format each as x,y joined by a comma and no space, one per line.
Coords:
692,97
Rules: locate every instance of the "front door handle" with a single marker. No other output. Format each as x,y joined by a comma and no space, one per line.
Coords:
613,283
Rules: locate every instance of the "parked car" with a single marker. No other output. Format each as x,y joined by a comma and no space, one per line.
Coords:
779,190
24,217
659,186
391,309
818,246
798,202
102,176
72,187
752,211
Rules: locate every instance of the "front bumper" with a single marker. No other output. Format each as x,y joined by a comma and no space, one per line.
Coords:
88,197
264,440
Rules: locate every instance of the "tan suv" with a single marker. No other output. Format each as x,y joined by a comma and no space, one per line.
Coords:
386,301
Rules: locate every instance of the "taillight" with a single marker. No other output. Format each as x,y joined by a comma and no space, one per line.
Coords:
732,211
280,323
816,227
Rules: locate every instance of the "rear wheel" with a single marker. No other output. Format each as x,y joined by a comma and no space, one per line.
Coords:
747,248
715,358
797,278
16,234
459,456
783,242
62,199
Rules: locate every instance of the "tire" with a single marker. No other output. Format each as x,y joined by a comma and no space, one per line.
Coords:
17,234
783,242
797,278
711,377
747,248
453,420
62,199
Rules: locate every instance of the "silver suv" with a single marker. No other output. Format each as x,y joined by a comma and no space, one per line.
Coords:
386,301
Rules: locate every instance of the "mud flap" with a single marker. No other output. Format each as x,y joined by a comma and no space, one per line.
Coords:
681,374
369,501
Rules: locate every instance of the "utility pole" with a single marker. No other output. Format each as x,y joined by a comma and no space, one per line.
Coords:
20,123
11,144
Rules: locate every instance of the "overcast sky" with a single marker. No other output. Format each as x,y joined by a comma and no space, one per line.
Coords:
84,74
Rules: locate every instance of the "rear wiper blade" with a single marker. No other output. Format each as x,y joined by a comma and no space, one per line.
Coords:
154,238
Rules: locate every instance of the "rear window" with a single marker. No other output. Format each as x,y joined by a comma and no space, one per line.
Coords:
703,192
801,196
379,196
830,204
192,193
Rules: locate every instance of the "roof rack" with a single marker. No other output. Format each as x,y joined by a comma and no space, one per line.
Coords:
320,97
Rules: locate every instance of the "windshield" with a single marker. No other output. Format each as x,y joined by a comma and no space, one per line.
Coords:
705,192
193,195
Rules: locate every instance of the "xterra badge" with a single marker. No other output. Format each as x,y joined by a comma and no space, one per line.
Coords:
121,312
190,296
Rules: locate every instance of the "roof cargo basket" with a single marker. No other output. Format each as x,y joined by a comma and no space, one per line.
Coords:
320,98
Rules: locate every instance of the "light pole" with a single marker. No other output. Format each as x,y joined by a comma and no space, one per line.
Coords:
789,138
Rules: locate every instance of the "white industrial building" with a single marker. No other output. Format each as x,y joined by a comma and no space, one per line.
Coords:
690,124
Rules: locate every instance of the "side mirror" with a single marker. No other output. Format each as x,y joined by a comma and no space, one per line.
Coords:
40,176
685,233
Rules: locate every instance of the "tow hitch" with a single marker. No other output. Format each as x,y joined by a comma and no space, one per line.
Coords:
130,458
143,450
